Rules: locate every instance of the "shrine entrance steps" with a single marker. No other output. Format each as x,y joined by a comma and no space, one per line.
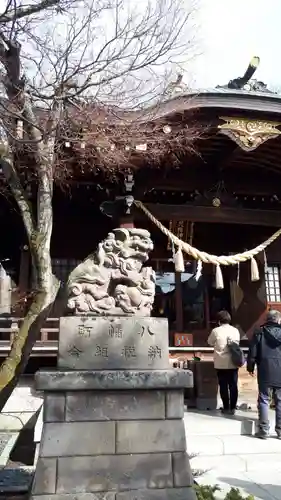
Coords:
225,444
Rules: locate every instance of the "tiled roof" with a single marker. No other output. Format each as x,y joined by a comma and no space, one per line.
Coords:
224,91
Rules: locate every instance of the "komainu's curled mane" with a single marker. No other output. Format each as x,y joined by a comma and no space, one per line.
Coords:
113,280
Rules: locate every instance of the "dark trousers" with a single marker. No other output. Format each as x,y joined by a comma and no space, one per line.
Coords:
263,404
228,384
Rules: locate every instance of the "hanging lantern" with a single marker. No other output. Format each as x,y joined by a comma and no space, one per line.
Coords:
141,147
19,130
216,202
167,129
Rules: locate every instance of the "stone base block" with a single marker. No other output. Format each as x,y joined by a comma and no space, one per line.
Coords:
100,380
113,436
115,472
161,494
97,406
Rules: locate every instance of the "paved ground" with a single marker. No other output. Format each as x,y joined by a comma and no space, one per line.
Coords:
265,486
17,414
20,407
225,449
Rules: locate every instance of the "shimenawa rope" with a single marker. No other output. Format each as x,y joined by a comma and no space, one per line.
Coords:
225,260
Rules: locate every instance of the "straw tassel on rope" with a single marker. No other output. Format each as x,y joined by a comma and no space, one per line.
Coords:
206,258
238,273
178,261
255,275
219,278
198,270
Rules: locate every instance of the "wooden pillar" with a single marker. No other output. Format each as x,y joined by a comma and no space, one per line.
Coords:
126,222
207,309
123,212
126,218
178,296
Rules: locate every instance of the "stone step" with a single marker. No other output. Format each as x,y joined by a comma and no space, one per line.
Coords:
14,422
215,424
216,446
225,464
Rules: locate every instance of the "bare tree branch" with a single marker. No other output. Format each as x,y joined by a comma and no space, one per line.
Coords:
19,194
71,73
12,14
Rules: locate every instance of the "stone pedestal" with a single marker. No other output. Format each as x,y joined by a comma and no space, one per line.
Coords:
100,343
113,433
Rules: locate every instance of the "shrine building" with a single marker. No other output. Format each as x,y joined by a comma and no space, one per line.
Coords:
221,196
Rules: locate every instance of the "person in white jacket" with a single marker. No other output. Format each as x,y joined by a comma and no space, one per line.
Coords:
227,372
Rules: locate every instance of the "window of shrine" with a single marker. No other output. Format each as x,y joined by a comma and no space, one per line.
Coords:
272,282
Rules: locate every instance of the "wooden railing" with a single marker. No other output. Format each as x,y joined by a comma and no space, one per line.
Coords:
46,345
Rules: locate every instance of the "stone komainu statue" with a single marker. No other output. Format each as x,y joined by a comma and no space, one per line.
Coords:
113,281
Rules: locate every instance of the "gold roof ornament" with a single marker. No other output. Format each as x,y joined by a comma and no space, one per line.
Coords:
249,134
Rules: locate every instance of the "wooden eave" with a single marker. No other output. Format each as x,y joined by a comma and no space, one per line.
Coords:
203,109
218,156
269,104
220,99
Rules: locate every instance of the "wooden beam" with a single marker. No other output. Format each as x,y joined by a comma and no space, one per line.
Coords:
270,218
236,180
238,189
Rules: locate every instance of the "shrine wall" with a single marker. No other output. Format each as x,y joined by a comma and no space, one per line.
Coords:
273,253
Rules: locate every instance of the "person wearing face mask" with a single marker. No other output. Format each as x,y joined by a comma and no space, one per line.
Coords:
265,354
227,372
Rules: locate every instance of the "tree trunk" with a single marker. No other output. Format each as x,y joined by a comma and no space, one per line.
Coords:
38,225
46,285
24,340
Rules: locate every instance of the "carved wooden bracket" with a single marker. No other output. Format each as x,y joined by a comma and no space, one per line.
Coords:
249,134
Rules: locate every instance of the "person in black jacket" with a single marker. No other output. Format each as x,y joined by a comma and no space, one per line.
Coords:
265,353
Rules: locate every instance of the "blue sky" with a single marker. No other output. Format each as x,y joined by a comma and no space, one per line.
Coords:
230,32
